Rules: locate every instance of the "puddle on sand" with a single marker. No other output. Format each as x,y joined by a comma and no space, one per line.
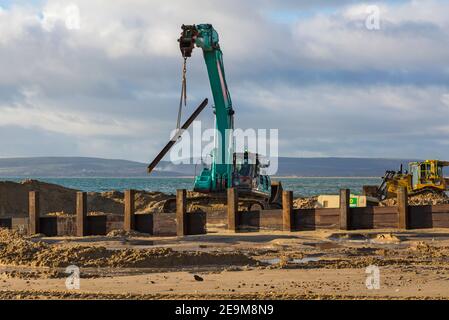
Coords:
349,237
323,245
293,261
384,239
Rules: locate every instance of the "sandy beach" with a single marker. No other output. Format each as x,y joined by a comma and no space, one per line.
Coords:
264,265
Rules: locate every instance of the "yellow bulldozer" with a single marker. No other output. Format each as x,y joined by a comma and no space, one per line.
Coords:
425,176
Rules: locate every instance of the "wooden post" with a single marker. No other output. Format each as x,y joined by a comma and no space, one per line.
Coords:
33,212
403,208
129,220
81,214
181,213
233,209
345,219
287,211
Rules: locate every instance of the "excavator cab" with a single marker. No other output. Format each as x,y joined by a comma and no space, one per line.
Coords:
246,176
257,189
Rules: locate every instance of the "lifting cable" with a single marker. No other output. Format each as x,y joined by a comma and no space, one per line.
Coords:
183,92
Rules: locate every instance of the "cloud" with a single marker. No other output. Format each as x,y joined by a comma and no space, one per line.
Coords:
108,83
406,42
445,99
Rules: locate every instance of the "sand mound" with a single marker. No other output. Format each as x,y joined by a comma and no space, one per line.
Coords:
305,203
113,201
16,250
54,198
60,201
422,199
420,246
427,251
148,202
386,238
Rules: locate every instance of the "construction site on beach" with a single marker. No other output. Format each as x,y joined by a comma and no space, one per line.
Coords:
150,245
235,234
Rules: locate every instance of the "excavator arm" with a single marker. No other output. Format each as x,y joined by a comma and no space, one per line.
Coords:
205,37
228,169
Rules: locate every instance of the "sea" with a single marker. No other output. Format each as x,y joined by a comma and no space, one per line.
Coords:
299,186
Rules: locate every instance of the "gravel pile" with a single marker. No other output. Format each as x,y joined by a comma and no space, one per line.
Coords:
422,199
305,203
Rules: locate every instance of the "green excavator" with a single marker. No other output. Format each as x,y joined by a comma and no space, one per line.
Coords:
228,169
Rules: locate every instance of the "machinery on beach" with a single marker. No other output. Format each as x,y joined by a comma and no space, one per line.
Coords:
228,169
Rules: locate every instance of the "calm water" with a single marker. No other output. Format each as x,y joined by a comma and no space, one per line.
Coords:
300,186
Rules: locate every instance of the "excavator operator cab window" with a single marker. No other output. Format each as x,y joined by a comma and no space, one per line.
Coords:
245,157
263,181
245,170
244,167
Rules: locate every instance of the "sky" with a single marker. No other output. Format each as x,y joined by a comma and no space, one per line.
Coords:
102,78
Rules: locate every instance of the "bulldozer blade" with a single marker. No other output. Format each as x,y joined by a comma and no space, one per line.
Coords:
178,133
276,193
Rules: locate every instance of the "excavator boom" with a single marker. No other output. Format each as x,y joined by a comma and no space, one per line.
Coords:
204,36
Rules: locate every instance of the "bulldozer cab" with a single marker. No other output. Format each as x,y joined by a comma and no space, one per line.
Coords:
428,175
